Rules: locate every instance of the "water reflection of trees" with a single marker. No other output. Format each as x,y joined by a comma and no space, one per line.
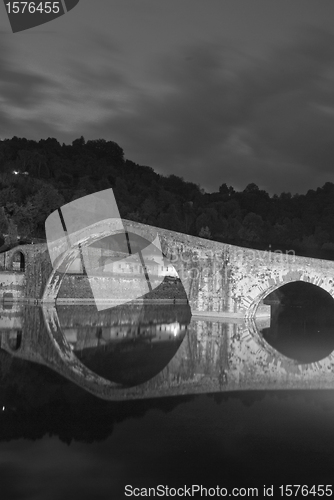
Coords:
38,402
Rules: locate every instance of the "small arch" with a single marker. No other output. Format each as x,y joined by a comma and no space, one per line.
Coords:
18,261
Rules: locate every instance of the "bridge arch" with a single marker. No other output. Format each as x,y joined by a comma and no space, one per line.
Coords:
83,239
18,261
260,293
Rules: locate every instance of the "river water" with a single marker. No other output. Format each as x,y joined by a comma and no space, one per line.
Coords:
92,403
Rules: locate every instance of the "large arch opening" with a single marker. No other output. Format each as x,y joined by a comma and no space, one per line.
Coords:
302,322
299,293
150,268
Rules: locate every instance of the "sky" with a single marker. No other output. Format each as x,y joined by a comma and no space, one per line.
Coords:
214,91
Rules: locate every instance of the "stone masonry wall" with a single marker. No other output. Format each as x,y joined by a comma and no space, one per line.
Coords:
216,277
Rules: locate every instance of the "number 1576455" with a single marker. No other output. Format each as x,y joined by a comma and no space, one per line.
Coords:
294,490
33,7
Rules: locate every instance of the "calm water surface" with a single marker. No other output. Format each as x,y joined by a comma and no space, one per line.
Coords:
145,395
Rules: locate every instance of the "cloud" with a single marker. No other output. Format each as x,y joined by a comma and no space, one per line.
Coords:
211,121
19,87
181,123
59,100
205,112
286,102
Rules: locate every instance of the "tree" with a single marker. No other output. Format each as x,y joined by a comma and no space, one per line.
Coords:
3,226
174,184
109,150
251,188
32,161
189,216
12,233
45,201
24,218
225,190
86,184
24,159
252,228
3,221
170,219
79,143
121,189
39,160
149,211
204,232
203,220
79,193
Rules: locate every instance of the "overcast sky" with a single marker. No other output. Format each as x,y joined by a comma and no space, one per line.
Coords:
215,91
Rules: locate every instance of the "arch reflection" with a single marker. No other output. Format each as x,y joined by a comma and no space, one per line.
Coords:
126,345
301,326
125,352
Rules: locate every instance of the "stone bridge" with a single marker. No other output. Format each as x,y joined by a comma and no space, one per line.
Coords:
219,279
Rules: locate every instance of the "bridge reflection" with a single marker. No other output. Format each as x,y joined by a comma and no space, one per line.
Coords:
141,352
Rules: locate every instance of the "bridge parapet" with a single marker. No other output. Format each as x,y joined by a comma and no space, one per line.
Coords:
224,278
217,277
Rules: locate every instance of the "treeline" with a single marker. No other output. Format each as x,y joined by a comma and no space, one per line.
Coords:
38,177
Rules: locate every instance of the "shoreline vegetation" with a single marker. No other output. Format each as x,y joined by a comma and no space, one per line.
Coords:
37,177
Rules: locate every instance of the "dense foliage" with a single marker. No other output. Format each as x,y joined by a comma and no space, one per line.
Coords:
38,177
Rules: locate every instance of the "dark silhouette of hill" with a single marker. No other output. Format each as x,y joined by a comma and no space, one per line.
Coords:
38,177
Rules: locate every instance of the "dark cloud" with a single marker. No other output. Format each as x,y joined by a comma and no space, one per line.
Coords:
98,42
103,78
20,87
291,102
212,121
190,114
37,104
205,113
30,128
